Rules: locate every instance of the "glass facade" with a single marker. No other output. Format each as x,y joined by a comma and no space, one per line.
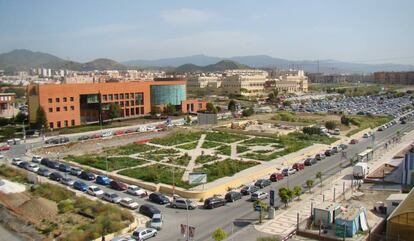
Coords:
167,94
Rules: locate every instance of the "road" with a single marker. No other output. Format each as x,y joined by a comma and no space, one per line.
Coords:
235,216
6,235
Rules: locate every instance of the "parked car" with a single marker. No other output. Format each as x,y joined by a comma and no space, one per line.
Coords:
144,233
320,156
158,198
343,146
87,176
119,133
310,161
214,202
83,138
261,183
81,186
247,190
156,221
53,164
67,181
4,148
111,197
75,171
102,180
275,177
36,159
258,195
353,141
23,164
328,153
128,203
64,168
136,191
183,203
118,185
123,239
16,161
43,172
298,166
94,191
56,176
148,210
44,161
233,196
288,171
32,167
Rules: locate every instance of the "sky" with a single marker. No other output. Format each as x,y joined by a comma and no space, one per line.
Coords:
365,31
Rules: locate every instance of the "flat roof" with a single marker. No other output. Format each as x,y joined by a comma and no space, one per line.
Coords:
397,196
7,94
349,214
327,206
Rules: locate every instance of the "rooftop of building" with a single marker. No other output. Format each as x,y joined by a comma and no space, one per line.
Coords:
327,206
349,214
406,206
397,196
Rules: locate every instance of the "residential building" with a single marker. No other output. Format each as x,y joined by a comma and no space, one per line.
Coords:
408,169
394,77
68,105
394,200
246,82
206,82
7,109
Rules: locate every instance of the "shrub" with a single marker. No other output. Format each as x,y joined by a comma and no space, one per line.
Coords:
311,130
330,125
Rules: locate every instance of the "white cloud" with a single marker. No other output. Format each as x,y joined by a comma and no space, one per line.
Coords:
186,16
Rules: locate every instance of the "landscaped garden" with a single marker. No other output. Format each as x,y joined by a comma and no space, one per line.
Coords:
210,144
182,160
177,138
224,150
129,149
224,168
188,146
114,163
205,158
225,137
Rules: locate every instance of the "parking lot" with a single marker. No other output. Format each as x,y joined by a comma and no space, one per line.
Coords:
372,105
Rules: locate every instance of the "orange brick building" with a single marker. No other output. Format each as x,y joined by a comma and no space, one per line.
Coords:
69,105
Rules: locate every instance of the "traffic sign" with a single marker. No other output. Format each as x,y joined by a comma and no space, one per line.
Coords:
272,198
257,208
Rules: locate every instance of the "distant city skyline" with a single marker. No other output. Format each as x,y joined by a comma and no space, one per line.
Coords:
371,31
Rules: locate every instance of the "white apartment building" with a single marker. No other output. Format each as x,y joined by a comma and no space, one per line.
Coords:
247,82
210,83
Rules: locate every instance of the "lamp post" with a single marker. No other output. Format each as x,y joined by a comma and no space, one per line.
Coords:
188,221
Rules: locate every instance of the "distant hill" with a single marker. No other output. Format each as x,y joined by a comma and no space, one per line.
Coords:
22,59
261,61
219,66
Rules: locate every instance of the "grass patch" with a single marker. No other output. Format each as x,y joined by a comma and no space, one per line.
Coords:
13,174
205,158
114,163
164,151
129,149
188,146
257,141
157,174
177,138
224,137
363,122
224,150
290,117
210,144
241,149
224,168
182,160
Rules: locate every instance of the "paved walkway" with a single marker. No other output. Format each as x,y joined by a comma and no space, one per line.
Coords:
194,154
285,220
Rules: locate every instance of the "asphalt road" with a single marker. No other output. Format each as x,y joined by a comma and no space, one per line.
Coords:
235,216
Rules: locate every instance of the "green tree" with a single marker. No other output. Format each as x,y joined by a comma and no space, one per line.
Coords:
285,195
155,109
330,125
287,103
311,130
20,117
211,108
218,108
248,112
41,120
232,105
309,184
345,120
114,111
273,95
297,191
219,234
170,110
188,119
263,207
319,176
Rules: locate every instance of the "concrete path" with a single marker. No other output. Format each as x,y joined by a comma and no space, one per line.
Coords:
194,154
285,220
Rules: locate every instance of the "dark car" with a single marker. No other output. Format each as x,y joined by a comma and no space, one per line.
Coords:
328,153
310,161
117,185
43,172
232,196
148,210
261,183
44,161
53,164
64,168
56,176
79,185
275,177
23,164
157,197
247,190
343,146
83,138
87,176
214,202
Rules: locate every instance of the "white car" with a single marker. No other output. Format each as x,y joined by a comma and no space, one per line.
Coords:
33,167
156,221
151,128
16,161
107,134
95,191
36,159
135,190
128,203
258,195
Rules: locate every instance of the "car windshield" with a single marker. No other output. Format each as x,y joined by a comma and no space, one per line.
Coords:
134,188
95,189
128,201
156,220
114,195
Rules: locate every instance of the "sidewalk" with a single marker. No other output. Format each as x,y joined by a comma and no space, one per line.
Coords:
285,220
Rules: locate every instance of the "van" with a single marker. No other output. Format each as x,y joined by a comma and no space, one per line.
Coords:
360,170
232,196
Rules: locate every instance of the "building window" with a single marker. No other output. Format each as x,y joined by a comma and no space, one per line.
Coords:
73,122
66,123
121,103
137,111
65,99
58,124
110,97
65,108
132,103
116,96
57,109
142,110
121,96
72,107
127,112
50,109
104,97
50,100
126,96
72,99
51,125
132,111
126,103
200,106
57,100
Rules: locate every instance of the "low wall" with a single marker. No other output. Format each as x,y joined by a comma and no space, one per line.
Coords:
126,230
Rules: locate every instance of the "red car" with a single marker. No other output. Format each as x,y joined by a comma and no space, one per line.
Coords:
353,141
298,166
96,136
129,131
118,133
275,177
4,148
117,185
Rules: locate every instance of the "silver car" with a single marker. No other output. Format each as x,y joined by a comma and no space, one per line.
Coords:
111,197
144,233
183,203
156,221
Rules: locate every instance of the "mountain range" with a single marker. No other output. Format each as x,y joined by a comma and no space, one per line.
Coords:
22,59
